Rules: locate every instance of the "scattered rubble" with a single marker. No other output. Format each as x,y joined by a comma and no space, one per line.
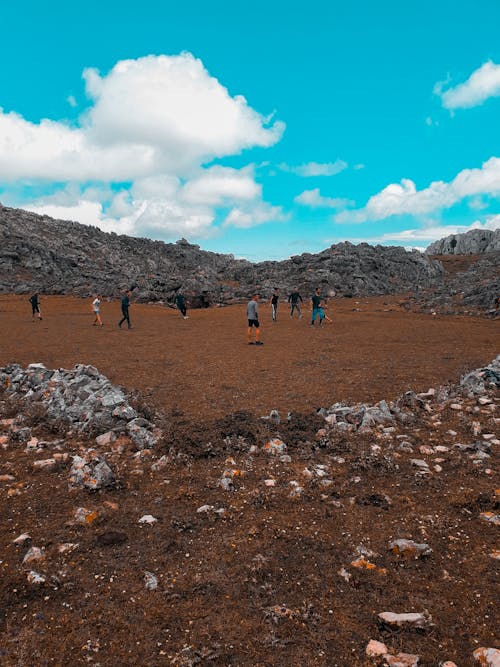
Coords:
323,526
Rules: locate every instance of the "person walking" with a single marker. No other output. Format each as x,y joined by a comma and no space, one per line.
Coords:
180,302
274,303
316,307
293,300
125,309
35,306
96,307
253,320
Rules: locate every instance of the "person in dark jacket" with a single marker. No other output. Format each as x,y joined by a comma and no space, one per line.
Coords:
180,302
125,308
317,310
274,303
35,306
293,300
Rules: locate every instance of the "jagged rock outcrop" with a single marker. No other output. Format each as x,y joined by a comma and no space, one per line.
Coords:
474,242
38,253
474,290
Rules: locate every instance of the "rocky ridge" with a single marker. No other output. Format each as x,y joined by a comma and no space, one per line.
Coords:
472,290
38,253
473,242
315,533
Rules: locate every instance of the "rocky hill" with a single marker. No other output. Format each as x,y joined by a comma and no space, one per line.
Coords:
60,257
476,241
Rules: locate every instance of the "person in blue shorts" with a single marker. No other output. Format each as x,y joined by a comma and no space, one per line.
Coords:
317,310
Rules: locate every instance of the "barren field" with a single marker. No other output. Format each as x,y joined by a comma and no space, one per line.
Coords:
267,545
203,366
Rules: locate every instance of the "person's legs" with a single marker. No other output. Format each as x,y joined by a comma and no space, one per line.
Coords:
299,311
125,318
314,315
275,312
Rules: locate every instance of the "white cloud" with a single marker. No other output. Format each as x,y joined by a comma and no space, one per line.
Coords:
482,84
173,104
244,217
316,168
404,198
314,199
153,122
219,184
87,212
71,101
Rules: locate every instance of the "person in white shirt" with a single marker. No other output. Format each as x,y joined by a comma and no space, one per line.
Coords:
96,307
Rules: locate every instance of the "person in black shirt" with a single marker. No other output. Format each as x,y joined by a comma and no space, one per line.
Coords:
125,307
316,307
180,302
274,303
35,306
293,300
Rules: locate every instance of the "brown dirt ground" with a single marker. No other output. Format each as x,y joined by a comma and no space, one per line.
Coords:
220,576
203,366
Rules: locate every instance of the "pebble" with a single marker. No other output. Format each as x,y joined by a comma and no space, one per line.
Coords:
85,516
45,464
148,518
402,660
275,447
375,649
487,657
150,581
409,548
490,517
34,554
405,620
36,578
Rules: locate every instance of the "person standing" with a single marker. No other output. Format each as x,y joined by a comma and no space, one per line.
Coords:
253,320
96,307
35,306
274,303
316,307
293,300
180,302
125,310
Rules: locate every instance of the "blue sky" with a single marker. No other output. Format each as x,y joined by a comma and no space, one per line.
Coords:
264,129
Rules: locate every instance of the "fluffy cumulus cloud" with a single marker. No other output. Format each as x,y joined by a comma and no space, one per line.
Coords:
482,84
153,122
244,217
404,198
316,168
315,199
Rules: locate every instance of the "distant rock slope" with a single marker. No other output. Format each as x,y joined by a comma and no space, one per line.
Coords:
60,257
474,242
471,291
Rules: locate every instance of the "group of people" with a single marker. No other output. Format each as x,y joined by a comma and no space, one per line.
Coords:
318,305
180,302
294,301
